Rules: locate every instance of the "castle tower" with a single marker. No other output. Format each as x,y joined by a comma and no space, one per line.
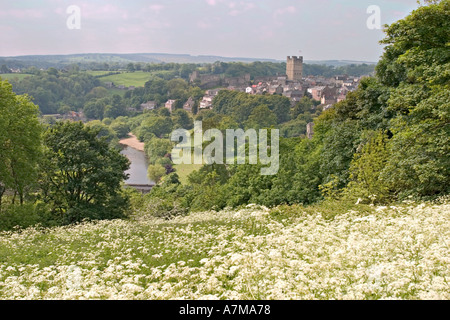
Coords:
294,68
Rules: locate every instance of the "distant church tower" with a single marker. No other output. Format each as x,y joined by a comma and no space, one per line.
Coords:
294,68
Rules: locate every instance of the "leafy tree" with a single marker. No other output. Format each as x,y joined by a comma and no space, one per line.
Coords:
240,105
261,117
130,67
417,46
114,111
304,105
95,109
104,131
157,148
156,172
181,119
339,145
367,166
196,93
164,112
120,128
156,86
159,126
207,187
293,128
82,176
20,142
416,64
420,161
97,93
4,69
177,89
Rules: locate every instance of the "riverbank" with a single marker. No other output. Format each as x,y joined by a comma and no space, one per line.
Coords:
133,142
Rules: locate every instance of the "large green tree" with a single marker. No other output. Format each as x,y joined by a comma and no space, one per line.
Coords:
82,176
20,142
416,65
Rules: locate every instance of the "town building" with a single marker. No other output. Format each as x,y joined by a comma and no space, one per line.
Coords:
170,105
294,68
189,104
149,105
206,102
329,95
316,92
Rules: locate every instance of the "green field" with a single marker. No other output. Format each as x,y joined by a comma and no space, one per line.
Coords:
137,79
183,170
18,76
113,91
97,73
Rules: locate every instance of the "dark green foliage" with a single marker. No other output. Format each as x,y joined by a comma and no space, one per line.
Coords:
240,105
293,128
388,140
52,89
181,119
121,128
261,117
207,188
23,216
339,145
366,170
158,126
166,200
20,143
81,175
157,148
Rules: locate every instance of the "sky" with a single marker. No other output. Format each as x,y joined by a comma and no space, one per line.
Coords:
266,29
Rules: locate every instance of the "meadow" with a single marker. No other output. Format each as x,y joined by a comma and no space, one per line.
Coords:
137,79
288,252
15,76
184,170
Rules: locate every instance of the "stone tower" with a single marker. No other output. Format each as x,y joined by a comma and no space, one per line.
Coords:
294,68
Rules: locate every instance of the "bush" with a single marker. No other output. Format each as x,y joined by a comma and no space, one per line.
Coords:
22,216
161,208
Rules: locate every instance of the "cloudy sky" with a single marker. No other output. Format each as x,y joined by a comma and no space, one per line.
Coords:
316,29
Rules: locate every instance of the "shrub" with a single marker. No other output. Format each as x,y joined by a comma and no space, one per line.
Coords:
22,216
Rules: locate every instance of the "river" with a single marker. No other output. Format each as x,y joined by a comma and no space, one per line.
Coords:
138,167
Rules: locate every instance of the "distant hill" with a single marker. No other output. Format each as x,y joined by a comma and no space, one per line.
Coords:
337,63
60,61
92,59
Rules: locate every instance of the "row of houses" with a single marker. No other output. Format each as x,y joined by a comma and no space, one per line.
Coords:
326,90
170,105
328,94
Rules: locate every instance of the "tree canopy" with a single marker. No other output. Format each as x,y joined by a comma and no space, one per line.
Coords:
83,175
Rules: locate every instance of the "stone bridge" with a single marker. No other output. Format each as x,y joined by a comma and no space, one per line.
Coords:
144,188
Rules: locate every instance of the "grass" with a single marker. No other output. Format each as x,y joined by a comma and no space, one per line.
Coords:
113,91
18,76
183,170
137,79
